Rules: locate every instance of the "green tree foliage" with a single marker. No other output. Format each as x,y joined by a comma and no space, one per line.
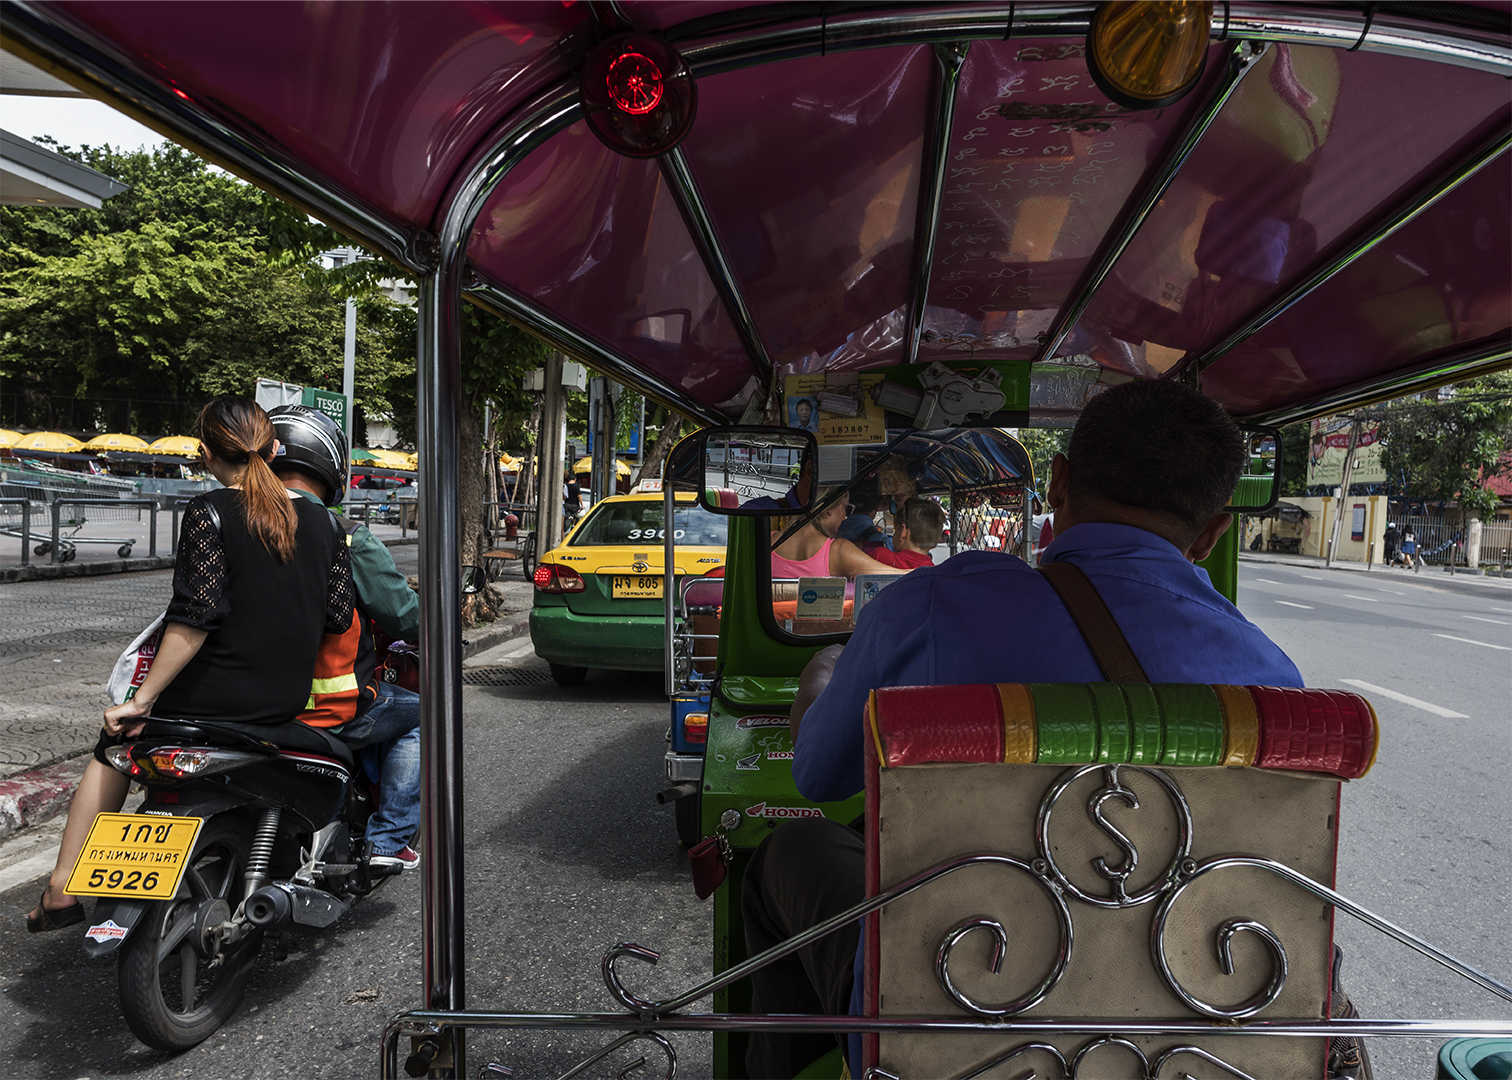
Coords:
1447,448
1043,444
190,284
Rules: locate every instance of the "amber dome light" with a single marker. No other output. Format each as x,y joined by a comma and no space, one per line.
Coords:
1145,54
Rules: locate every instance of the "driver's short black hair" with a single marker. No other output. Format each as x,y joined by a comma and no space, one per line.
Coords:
1157,445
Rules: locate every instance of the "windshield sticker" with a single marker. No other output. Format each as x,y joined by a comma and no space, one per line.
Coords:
762,810
760,720
748,763
821,598
105,931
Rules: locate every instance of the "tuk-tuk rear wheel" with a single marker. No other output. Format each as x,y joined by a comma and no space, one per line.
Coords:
565,675
689,813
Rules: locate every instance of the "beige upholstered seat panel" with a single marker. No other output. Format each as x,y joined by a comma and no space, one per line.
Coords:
930,814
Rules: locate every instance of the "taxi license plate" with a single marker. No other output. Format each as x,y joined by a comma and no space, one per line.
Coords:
134,856
637,586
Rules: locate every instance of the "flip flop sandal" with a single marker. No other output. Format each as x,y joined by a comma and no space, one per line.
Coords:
53,920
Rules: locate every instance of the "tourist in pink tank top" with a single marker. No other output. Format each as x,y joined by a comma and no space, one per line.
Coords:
814,551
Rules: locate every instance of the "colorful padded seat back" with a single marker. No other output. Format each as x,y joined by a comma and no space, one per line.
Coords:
1111,803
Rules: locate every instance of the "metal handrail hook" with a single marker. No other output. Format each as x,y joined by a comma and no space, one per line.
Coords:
616,988
625,1040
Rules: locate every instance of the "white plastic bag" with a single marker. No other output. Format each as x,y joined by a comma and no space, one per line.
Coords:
134,663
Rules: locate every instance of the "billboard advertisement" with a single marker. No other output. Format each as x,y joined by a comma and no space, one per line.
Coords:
1329,443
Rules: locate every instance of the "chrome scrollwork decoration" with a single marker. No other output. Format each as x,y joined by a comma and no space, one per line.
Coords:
1018,1051
1109,1040
625,1040
1256,1004
1000,947
617,988
1197,1052
1118,876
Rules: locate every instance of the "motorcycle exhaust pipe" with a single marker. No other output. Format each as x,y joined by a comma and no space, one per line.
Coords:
677,791
269,908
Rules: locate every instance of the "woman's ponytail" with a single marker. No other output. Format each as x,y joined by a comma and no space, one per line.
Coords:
237,430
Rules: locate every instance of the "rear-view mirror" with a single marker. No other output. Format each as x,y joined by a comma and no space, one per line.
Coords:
474,580
1260,486
756,470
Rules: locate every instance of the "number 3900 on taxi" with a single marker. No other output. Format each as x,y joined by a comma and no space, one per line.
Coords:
598,596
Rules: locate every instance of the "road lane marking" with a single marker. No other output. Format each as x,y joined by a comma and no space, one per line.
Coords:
1393,592
1288,603
1426,706
1367,599
1312,577
1268,581
1506,610
1480,618
1469,641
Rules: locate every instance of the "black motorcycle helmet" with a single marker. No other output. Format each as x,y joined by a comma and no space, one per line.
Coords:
314,444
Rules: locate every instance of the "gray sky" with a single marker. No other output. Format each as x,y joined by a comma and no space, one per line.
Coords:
73,122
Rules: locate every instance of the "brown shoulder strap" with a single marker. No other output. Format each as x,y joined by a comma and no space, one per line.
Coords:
1109,646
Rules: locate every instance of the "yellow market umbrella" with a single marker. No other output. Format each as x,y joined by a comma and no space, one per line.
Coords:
177,445
9,437
361,456
586,465
116,441
509,463
394,459
51,441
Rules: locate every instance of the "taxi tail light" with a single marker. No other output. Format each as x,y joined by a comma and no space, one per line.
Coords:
177,762
696,728
551,578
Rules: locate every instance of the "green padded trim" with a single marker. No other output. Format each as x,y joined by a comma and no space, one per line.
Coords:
1147,739
1066,719
1113,737
1193,724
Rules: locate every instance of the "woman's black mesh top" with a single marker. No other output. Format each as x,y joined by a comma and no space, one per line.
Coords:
265,618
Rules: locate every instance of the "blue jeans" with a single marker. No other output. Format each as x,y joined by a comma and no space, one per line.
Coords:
388,736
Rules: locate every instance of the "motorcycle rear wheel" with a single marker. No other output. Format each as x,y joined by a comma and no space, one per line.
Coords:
172,997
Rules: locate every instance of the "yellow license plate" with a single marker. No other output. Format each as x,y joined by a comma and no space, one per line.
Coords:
637,586
134,855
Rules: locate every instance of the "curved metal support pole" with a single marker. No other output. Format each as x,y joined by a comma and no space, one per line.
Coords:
1343,903
1486,153
1138,209
1198,1052
949,59
625,1040
1480,358
695,213
656,1009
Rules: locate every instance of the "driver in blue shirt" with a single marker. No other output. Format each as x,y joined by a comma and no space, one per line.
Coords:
1140,496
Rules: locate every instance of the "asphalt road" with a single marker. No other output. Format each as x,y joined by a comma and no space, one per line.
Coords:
568,854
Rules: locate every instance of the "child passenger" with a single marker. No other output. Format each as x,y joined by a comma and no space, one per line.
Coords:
919,524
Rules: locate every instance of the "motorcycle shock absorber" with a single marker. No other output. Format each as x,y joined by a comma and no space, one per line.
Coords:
262,849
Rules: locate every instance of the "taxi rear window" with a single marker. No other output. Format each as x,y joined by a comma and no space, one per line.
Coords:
641,522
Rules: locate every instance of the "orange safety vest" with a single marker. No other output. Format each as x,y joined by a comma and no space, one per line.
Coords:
344,683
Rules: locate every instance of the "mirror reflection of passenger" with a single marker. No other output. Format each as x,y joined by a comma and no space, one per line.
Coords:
919,524
816,551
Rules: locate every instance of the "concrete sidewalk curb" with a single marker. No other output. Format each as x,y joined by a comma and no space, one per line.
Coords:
31,798
47,571
1477,586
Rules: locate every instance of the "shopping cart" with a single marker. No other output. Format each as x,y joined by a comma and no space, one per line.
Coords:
49,509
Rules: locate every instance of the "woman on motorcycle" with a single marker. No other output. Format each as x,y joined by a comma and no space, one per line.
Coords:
260,576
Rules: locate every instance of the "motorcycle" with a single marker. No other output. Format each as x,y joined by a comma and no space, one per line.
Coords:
244,830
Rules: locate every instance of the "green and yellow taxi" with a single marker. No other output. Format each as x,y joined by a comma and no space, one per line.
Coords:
598,595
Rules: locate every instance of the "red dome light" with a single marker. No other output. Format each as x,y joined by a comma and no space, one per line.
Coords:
634,83
638,95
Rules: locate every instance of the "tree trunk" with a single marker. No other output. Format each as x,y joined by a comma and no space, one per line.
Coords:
666,439
472,487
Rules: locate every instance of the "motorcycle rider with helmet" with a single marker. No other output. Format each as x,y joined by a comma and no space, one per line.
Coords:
379,720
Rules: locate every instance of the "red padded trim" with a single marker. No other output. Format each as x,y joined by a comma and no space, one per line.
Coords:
1326,731
922,724
871,925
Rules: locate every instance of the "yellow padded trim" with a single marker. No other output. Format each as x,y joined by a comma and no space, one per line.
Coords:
1241,725
871,719
1020,732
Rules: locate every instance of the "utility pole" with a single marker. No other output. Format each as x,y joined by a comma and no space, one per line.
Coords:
549,450
1349,456
601,422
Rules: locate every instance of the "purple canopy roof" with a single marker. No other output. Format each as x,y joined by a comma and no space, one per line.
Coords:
817,212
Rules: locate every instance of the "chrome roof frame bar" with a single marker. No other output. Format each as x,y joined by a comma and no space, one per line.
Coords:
1487,152
1138,208
950,58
